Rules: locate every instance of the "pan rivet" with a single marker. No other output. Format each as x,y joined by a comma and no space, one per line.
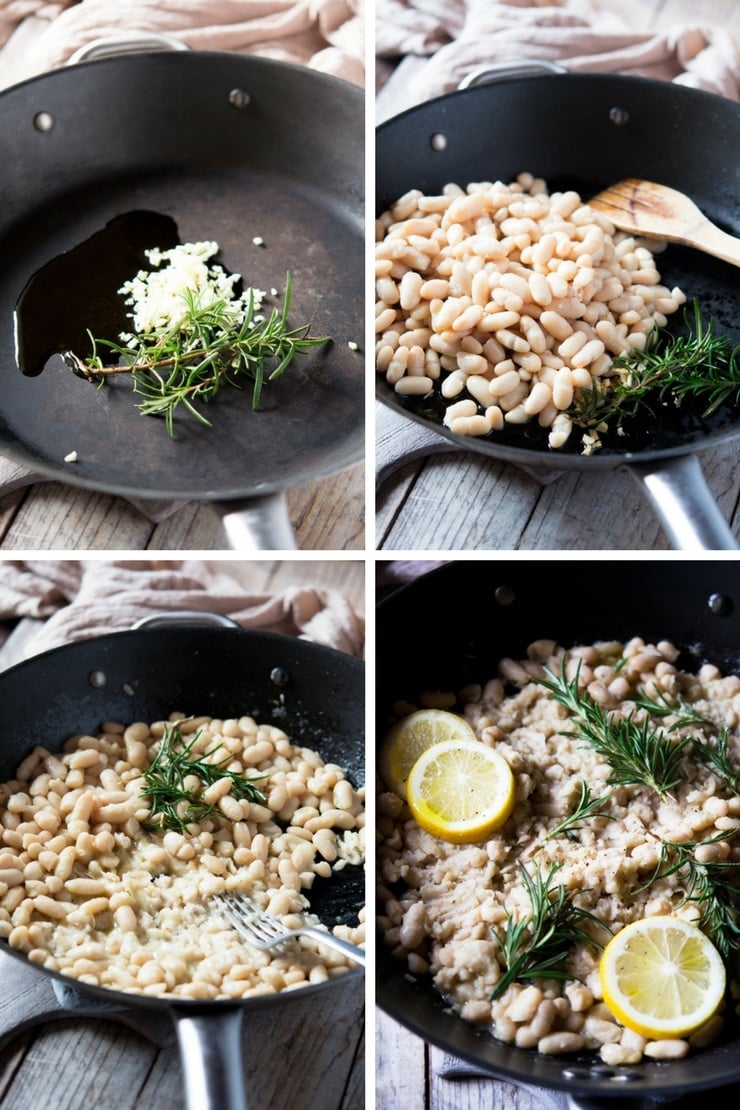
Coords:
619,116
720,605
238,98
97,679
43,121
279,676
504,595
438,141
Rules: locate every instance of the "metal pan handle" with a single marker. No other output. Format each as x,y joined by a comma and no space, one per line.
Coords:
504,71
110,47
211,1053
684,505
184,616
258,524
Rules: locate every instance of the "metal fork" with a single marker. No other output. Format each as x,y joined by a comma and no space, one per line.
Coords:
261,930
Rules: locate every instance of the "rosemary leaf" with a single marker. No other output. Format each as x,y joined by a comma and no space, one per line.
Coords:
173,804
711,886
662,706
187,363
538,945
638,754
700,365
586,807
716,757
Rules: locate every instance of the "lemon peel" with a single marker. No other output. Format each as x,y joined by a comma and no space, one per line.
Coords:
662,977
461,790
411,736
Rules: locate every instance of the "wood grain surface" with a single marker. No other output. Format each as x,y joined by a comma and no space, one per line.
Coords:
326,515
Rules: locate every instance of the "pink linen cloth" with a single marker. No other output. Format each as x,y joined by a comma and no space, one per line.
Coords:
583,35
327,35
81,599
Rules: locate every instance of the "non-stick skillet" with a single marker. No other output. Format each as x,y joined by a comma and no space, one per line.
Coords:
585,131
234,149
449,628
307,690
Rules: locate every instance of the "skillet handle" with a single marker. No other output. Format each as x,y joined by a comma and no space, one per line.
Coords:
111,47
258,523
184,616
677,490
504,71
211,1054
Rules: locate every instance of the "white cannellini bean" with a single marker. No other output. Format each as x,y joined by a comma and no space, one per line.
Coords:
510,272
414,387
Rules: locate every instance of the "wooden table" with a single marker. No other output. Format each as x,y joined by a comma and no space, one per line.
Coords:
463,501
326,515
307,1055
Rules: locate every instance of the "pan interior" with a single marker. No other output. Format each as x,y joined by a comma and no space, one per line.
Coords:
222,174
311,692
583,132
449,629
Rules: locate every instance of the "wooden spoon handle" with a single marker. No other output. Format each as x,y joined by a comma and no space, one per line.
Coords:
717,242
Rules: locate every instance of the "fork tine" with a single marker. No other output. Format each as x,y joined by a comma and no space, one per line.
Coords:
252,923
258,918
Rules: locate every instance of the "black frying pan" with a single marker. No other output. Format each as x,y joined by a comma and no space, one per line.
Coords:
232,148
450,628
146,674
586,132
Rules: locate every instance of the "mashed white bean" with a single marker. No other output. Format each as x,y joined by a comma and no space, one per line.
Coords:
89,890
510,299
443,902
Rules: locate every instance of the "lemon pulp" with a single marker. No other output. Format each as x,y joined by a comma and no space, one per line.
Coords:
413,735
461,790
662,977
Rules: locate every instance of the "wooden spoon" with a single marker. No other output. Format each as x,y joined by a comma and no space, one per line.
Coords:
645,208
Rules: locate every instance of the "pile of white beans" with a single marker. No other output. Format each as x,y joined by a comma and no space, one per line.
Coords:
510,300
88,890
443,903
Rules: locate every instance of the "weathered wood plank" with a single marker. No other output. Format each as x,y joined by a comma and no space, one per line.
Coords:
330,514
400,1067
326,514
464,502
104,1066
65,518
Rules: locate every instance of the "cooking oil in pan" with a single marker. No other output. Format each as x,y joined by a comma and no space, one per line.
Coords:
77,292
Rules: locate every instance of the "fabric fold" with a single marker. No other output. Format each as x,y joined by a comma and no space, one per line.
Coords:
322,34
465,34
79,600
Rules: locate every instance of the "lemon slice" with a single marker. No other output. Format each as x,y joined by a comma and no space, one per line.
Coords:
411,736
461,790
662,977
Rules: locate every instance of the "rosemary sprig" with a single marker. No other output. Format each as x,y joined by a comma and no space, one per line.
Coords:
538,945
711,886
638,754
586,806
671,369
718,759
187,363
662,706
175,805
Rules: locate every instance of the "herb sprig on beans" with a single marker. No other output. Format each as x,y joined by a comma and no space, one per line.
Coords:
538,945
176,802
